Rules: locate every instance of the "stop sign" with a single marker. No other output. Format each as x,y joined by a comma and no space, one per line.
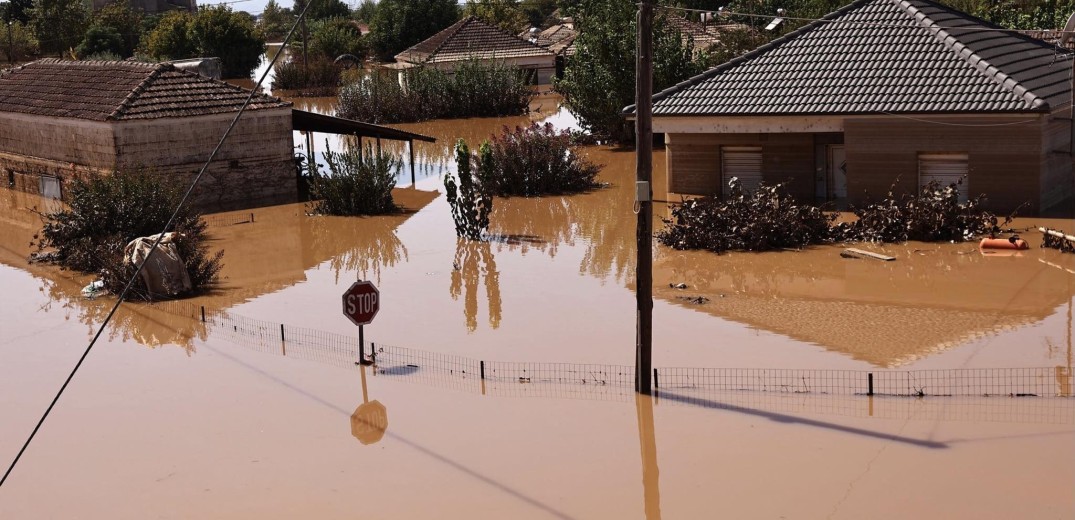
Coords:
369,422
361,302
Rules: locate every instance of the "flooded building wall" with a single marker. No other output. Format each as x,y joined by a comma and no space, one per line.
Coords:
1057,182
1011,164
32,147
255,165
1004,159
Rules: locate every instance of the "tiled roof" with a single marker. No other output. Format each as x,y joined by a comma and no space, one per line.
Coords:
470,38
882,56
702,35
557,38
118,90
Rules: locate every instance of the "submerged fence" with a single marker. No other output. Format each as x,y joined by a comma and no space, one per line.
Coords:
520,378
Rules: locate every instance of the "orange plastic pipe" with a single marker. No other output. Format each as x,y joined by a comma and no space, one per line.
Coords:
1003,243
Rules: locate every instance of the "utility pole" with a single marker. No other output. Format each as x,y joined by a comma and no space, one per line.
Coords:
644,196
305,54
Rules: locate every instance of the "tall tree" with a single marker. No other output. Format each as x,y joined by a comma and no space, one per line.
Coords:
598,81
171,38
231,36
504,14
59,25
125,21
399,24
276,21
16,11
322,9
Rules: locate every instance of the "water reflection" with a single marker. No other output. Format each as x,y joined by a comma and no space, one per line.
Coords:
474,263
651,475
369,422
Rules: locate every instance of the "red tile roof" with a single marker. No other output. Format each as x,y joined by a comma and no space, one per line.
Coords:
119,90
470,38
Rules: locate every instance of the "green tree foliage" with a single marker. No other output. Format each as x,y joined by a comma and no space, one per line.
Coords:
599,82
399,24
276,21
322,9
100,41
365,11
59,25
23,44
214,31
332,37
359,182
537,160
108,211
231,36
16,11
171,38
539,13
126,22
504,14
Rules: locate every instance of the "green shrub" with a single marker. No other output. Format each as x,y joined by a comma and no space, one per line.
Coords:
470,191
359,182
101,41
323,76
108,211
538,160
475,89
769,218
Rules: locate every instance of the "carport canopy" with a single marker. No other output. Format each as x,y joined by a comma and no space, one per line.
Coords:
304,121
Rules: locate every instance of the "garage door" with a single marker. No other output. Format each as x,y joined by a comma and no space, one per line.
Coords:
743,162
946,169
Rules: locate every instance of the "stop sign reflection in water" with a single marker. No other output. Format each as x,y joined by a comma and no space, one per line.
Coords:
361,302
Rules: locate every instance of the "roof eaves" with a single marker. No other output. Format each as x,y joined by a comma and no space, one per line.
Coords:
689,82
952,43
424,57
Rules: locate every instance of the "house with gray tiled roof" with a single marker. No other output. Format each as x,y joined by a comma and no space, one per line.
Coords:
471,38
881,93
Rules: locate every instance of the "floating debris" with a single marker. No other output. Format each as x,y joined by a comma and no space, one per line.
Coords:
94,289
697,300
852,252
678,285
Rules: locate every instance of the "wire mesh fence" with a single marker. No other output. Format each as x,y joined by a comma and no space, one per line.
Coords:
228,220
616,382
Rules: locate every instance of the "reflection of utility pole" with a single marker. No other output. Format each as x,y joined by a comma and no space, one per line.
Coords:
651,481
644,196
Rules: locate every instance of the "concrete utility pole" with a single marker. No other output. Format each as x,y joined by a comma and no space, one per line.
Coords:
644,196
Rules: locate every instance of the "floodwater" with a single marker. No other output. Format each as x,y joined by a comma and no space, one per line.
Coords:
173,418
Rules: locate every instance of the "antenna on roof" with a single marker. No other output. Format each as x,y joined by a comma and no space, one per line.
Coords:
777,22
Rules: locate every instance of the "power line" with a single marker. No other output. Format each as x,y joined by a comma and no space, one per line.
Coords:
156,243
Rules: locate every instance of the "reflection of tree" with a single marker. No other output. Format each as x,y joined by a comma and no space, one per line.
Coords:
364,245
474,259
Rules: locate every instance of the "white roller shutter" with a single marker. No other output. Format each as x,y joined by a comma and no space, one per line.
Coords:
945,168
743,162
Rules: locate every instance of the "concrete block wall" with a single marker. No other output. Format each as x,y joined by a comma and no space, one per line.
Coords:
65,140
694,161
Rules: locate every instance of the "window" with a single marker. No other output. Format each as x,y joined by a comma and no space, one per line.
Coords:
50,187
743,162
945,168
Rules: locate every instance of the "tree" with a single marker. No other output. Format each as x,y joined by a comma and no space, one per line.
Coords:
322,9
171,39
504,14
100,42
276,21
23,44
16,11
399,24
221,32
598,81
58,25
538,12
365,11
332,37
126,22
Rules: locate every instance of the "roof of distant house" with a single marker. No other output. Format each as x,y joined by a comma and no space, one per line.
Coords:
119,90
703,36
557,38
881,57
470,38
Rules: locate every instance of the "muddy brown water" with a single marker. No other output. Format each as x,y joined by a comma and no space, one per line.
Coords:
200,426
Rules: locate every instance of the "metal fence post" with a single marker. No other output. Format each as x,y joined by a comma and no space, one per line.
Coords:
656,382
483,370
869,384
282,332
203,314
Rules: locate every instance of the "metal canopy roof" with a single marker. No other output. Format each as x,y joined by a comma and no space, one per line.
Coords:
313,122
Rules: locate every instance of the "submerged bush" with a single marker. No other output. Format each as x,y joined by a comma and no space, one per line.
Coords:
108,211
933,214
359,182
769,218
320,77
470,191
475,89
538,160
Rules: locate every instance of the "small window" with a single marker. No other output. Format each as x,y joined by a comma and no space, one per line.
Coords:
743,162
945,168
50,187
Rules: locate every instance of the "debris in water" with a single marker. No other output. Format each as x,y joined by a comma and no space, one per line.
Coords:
94,289
524,379
852,252
1057,240
680,285
697,300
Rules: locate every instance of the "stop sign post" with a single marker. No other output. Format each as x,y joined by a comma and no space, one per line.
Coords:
361,302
